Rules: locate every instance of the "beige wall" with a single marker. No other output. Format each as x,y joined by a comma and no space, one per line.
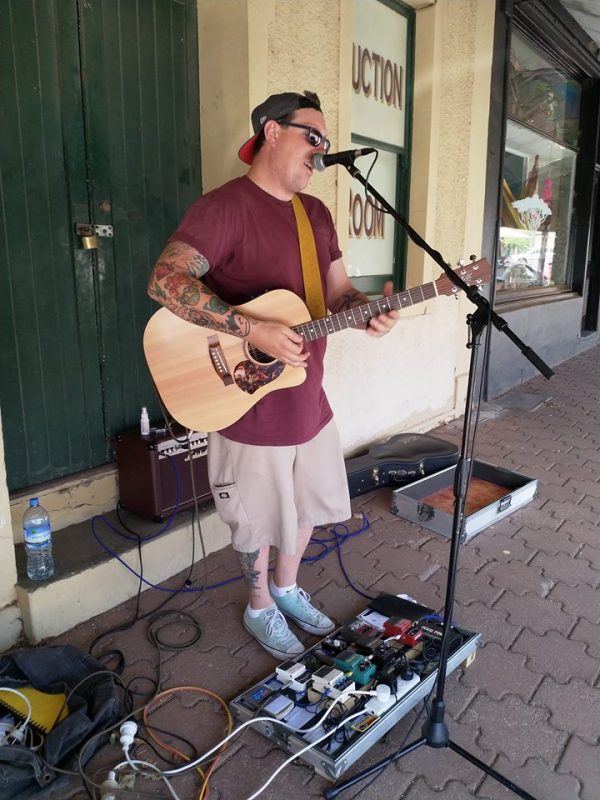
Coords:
416,376
10,618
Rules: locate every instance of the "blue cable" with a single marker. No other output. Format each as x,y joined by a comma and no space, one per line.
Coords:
132,537
337,539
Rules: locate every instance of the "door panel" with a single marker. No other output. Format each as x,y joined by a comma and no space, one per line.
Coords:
45,406
139,87
123,151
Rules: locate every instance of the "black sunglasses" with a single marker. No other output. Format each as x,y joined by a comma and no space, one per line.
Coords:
314,137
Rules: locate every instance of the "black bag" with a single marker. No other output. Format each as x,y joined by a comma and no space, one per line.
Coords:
402,459
93,706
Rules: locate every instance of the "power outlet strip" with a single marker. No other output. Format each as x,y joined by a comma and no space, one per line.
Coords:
379,704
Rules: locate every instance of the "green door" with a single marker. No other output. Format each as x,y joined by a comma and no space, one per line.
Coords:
100,124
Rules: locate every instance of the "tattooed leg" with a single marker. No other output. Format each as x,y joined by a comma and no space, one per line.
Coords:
255,569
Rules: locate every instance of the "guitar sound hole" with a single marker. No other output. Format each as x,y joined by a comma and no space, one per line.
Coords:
259,357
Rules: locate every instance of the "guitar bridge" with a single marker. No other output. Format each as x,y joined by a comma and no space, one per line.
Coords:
218,360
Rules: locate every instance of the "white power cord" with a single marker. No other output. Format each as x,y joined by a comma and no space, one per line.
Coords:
18,733
129,729
127,733
281,767
200,759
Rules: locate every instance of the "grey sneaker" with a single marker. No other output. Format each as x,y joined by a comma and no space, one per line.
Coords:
271,631
296,605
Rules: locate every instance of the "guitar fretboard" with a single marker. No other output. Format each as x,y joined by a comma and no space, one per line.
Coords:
360,315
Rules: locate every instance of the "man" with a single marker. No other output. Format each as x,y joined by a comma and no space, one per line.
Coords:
279,470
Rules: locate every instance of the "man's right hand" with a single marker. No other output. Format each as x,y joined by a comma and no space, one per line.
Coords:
279,341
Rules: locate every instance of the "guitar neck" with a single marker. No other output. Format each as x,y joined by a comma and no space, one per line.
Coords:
360,315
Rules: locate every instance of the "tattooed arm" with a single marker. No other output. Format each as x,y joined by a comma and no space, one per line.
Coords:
343,295
176,283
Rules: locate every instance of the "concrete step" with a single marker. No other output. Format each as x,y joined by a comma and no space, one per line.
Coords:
90,579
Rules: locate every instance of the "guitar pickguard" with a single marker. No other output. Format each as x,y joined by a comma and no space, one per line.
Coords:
250,376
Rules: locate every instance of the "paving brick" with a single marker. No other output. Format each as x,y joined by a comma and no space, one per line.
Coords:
589,634
581,534
549,542
471,587
470,558
554,655
429,593
491,622
568,494
339,601
582,760
591,554
556,457
457,696
573,707
497,673
501,545
591,503
588,487
550,477
540,614
402,561
573,571
591,455
389,783
440,766
519,578
581,601
535,777
580,472
574,438
362,571
534,517
452,791
570,511
517,730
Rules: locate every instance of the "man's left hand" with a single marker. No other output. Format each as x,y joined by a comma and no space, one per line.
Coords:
382,324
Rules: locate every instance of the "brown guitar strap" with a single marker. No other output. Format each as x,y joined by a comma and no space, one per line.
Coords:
313,289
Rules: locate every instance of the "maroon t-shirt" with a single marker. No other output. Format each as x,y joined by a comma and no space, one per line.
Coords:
250,240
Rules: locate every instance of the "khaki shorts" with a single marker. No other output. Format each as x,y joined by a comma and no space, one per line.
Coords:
265,494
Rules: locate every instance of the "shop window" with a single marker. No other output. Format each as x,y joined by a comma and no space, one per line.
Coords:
382,68
542,135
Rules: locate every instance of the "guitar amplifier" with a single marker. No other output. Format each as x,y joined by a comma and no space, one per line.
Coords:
150,469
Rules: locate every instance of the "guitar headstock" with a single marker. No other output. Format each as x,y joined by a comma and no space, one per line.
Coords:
475,273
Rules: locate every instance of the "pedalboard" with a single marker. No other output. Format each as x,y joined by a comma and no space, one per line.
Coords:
374,669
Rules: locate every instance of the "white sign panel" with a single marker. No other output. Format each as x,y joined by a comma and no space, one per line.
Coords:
371,231
379,72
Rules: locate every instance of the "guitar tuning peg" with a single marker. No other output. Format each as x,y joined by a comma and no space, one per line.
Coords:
461,262
472,257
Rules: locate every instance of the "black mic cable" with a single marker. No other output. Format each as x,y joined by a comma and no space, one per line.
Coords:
346,158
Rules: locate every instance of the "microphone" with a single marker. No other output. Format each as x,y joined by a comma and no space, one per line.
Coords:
345,157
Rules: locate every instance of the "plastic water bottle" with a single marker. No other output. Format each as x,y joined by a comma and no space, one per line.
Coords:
144,422
38,542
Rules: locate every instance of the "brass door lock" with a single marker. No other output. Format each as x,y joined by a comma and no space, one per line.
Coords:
89,234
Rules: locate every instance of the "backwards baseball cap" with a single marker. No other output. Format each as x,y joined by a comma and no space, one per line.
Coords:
274,107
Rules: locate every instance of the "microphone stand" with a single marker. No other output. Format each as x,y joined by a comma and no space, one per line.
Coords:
434,732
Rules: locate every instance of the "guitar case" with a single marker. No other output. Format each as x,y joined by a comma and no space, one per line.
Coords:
402,459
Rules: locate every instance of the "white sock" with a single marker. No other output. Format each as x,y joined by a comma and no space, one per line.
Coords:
280,591
253,613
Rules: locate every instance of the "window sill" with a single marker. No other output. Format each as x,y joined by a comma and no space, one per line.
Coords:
528,299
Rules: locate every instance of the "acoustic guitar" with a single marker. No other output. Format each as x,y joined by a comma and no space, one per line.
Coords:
208,379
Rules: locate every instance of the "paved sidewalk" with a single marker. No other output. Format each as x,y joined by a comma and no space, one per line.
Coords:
530,703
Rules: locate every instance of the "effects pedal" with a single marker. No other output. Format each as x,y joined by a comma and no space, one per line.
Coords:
396,626
413,635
